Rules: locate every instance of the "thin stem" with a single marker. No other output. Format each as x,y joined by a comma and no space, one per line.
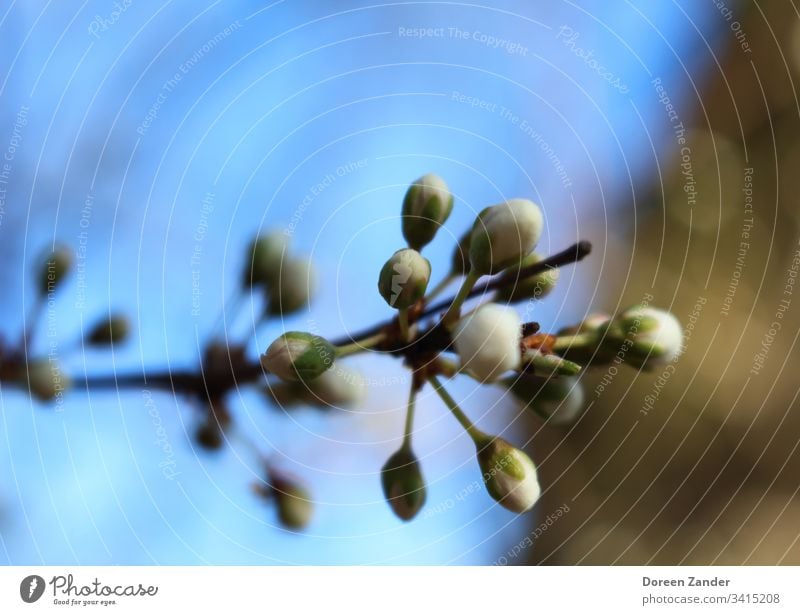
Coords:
579,340
231,306
454,310
402,319
440,287
476,434
33,318
412,404
360,345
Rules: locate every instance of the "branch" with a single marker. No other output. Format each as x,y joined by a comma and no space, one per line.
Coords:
249,371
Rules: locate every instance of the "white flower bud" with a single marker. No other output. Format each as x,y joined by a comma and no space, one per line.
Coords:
655,336
404,278
298,356
533,287
293,288
488,341
559,400
504,234
509,474
426,207
403,484
45,379
265,257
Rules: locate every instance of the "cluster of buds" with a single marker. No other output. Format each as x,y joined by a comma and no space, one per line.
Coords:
435,338
287,281
43,376
490,342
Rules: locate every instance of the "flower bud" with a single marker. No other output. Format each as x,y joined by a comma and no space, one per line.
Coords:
112,330
56,267
504,234
559,400
488,341
509,474
265,257
652,336
426,207
292,291
298,356
338,387
459,264
533,287
45,379
403,484
404,278
209,435
293,502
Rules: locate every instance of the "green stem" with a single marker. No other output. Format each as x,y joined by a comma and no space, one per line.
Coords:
402,319
476,434
360,345
577,341
453,312
412,399
440,287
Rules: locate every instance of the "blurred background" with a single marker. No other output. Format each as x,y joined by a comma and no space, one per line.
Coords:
156,140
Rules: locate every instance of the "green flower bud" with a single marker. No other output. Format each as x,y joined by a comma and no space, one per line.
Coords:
293,502
521,289
265,257
648,336
508,473
112,330
559,400
426,207
298,356
488,341
459,264
404,278
504,234
292,291
56,267
403,484
45,379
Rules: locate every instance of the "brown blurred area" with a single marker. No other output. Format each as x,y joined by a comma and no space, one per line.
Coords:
702,466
